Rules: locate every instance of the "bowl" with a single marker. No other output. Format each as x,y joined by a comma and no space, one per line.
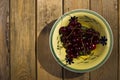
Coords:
98,56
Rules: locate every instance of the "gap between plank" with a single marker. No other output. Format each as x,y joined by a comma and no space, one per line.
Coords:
9,41
90,4
36,38
118,39
62,7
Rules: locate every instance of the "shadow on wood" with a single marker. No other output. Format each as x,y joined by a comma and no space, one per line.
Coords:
45,57
71,75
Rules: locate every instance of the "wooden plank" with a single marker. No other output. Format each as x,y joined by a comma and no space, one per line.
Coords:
71,5
47,12
109,70
4,54
22,39
75,4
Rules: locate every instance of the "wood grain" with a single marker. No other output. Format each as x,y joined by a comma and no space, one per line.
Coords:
75,4
30,25
70,5
47,13
22,39
108,9
4,54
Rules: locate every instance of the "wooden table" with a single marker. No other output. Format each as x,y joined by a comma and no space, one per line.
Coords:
24,34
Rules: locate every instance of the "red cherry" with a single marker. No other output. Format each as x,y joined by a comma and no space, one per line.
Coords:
93,46
75,56
71,56
77,39
62,30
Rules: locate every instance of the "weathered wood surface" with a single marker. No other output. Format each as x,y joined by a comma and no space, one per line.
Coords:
24,44
22,40
4,47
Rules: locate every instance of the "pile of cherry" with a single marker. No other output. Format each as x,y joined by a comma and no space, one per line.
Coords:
79,40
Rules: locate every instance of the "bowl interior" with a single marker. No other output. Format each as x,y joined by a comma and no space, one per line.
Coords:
98,56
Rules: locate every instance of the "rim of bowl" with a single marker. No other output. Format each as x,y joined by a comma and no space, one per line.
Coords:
94,67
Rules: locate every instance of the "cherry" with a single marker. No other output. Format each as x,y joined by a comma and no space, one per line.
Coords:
95,40
62,30
92,47
78,40
63,39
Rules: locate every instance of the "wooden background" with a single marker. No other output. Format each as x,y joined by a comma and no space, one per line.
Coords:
24,33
